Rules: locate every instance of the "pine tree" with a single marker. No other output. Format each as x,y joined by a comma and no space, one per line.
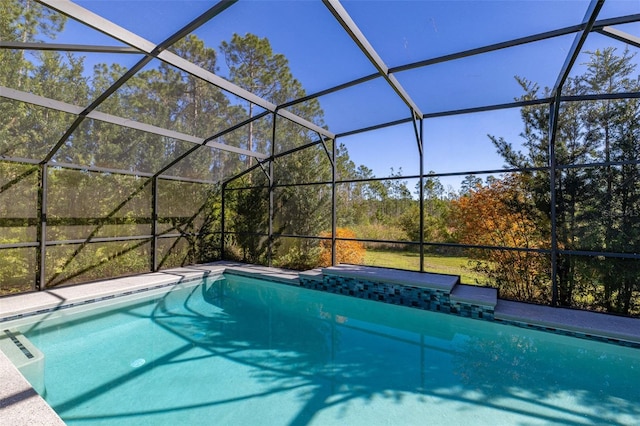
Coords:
595,206
300,210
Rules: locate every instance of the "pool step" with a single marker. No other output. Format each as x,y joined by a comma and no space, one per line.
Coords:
395,276
25,356
476,295
433,292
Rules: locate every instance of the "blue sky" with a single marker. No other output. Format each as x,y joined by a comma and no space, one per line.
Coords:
321,55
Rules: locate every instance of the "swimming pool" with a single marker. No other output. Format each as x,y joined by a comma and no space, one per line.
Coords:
237,350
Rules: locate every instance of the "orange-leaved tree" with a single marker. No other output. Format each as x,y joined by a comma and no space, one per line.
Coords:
346,251
501,214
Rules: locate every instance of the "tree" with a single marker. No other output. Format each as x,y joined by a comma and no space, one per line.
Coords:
595,206
500,215
469,184
436,213
398,195
30,131
614,127
302,211
255,67
24,21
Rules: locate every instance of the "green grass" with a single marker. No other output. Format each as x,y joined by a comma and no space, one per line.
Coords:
453,265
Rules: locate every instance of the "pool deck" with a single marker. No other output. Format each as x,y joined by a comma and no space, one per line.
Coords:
20,404
572,320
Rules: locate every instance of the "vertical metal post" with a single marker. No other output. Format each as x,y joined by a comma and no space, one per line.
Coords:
154,223
419,134
334,214
421,146
40,281
554,110
271,213
271,188
222,224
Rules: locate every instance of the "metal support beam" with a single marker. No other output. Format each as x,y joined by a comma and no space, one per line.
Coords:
620,36
264,169
40,281
59,47
334,212
419,132
326,150
331,90
120,121
154,223
553,128
358,37
334,175
222,221
588,22
271,191
598,25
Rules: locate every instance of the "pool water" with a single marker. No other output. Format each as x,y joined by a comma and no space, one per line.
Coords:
241,351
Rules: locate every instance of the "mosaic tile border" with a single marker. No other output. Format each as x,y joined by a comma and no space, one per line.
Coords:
472,311
429,299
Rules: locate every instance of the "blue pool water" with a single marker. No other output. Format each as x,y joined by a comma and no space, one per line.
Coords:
240,351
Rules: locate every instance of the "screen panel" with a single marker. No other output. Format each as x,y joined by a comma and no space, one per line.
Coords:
18,202
30,131
302,210
83,205
77,263
17,270
600,283
188,250
188,207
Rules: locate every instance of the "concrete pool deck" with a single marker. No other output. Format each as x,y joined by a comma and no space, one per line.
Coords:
20,404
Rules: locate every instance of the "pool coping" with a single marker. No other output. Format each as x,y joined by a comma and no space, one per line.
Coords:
598,326
20,403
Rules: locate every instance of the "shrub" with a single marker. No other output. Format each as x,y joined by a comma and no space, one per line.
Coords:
346,251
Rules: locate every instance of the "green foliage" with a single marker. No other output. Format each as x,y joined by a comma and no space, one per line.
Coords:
86,205
380,231
249,219
297,256
597,207
301,210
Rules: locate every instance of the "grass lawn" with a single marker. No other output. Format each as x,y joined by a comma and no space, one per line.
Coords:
432,263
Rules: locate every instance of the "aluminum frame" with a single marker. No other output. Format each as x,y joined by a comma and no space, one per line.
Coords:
138,45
